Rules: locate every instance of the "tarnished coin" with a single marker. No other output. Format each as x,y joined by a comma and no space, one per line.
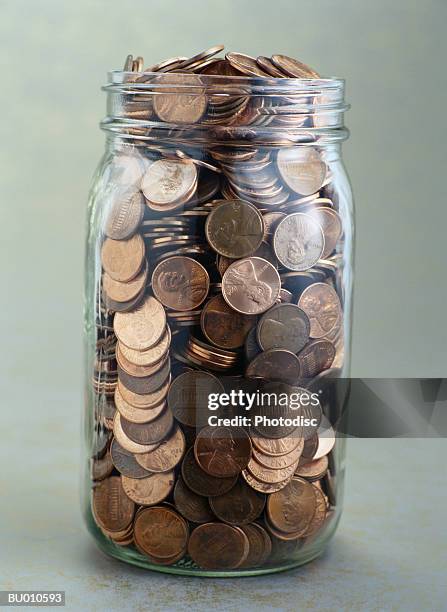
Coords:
263,487
293,508
150,356
223,326
314,470
126,442
168,183
101,467
302,169
222,451
189,395
256,546
193,507
320,513
160,532
294,68
309,450
180,283
202,483
234,229
149,433
251,286
251,347
124,292
246,64
284,326
142,328
167,455
125,215
137,415
321,304
145,384
112,508
218,546
271,220
330,222
240,506
123,259
298,242
276,365
150,490
316,357
150,400
125,462
180,98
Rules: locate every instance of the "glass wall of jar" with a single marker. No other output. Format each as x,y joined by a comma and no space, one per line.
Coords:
218,299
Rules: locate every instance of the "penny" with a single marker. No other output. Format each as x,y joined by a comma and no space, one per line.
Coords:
161,532
124,292
320,513
202,56
302,169
125,215
169,183
246,64
223,326
127,170
314,470
256,546
149,490
263,487
284,326
268,475
113,509
321,304
123,259
240,506
268,66
251,347
275,447
193,507
279,462
145,384
316,357
101,467
201,482
125,462
137,415
137,371
234,229
298,242
126,442
149,400
180,283
267,542
142,328
293,508
271,220
181,99
251,286
148,433
149,356
115,306
168,454
326,439
276,365
222,451
309,450
218,546
331,225
294,68
189,395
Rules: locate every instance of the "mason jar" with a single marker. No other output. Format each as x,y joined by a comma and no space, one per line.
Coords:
217,322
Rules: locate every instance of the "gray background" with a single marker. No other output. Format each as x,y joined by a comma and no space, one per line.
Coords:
53,60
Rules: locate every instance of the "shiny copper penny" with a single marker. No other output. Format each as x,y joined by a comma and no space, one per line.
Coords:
240,506
294,68
180,283
234,229
123,259
126,442
167,455
112,508
316,357
149,433
293,508
125,462
314,470
284,326
331,225
124,292
321,304
298,242
251,286
142,328
149,356
223,326
125,215
263,487
202,483
268,475
276,365
149,400
222,451
150,490
246,64
189,395
193,507
218,546
161,532
181,99
137,415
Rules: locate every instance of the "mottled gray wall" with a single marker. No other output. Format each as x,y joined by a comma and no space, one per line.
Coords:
54,57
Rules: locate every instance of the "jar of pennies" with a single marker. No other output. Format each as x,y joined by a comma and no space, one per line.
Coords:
217,315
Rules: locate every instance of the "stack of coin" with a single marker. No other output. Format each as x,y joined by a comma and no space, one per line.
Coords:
221,267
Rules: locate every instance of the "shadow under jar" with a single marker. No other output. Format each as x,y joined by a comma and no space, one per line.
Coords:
218,280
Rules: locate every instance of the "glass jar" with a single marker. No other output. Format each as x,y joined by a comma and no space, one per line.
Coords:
218,299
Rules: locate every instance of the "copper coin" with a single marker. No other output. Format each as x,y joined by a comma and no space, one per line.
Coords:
123,259
309,450
146,384
222,68
256,546
275,364
284,326
127,170
251,286
279,462
189,395
267,542
320,513
268,475
222,451
137,371
169,183
294,68
326,439
298,242
331,225
149,433
240,506
150,400
101,467
218,546
293,508
321,304
167,455
125,215
180,283
271,220
137,415
263,487
251,347
314,470
316,357
202,483
149,356
302,169
181,98
124,292
275,447
268,66
161,532
125,462
126,442
112,508
193,507
223,326
142,328
234,229
150,490
246,64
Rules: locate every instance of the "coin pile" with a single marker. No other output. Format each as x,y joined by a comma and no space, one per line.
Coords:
221,268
